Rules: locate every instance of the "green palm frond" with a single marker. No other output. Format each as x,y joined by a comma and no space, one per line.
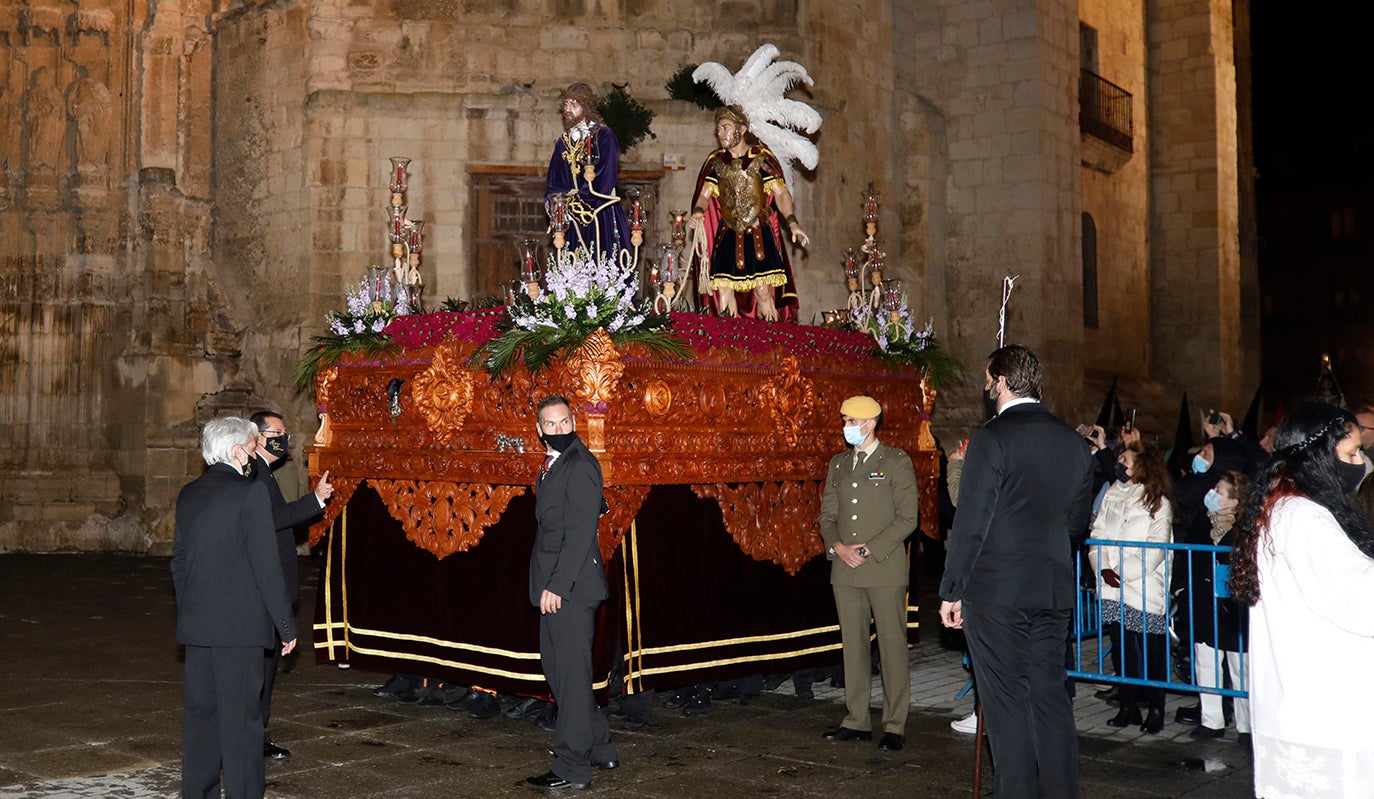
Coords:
325,351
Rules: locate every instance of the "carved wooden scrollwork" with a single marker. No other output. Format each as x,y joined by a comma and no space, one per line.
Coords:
771,521
595,370
624,502
444,518
443,394
343,491
790,398
322,390
658,398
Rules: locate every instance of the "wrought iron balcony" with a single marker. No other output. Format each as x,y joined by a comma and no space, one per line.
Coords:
1104,110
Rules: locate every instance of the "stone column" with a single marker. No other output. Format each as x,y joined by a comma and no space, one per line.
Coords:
1195,257
1002,75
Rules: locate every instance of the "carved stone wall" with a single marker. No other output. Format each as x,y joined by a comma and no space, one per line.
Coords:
116,334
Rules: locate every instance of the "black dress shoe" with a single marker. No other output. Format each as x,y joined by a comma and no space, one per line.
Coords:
625,720
393,686
548,720
1188,715
553,782
1109,695
846,734
700,704
604,765
1154,721
681,697
1201,733
484,706
891,742
525,708
273,752
1244,741
460,700
434,696
1127,716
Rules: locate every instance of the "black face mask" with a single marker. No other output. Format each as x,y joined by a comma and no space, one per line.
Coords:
989,402
1351,475
1121,473
558,442
276,446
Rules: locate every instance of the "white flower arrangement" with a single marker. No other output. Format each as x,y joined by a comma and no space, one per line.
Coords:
371,307
890,334
901,343
582,293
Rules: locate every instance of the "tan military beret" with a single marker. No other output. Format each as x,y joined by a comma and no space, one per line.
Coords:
861,407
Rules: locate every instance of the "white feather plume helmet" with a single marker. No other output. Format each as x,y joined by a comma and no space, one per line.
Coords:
758,88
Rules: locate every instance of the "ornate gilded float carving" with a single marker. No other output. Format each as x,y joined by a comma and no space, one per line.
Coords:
790,398
652,422
595,370
771,521
343,491
444,518
658,398
443,393
624,502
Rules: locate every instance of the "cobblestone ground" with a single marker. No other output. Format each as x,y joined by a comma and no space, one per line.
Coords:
90,703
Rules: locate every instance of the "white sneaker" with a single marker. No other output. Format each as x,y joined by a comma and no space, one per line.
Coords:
967,724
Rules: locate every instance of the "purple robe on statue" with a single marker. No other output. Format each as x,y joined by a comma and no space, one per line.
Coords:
566,176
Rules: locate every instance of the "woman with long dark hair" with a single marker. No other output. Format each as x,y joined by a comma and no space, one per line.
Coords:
1304,559
1138,507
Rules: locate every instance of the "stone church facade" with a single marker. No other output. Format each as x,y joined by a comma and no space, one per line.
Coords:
190,185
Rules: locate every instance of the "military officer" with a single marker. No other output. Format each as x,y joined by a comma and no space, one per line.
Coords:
867,511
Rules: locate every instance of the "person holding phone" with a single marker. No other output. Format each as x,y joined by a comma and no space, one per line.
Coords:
1138,507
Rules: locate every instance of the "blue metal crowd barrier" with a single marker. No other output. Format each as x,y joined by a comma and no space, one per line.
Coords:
1090,644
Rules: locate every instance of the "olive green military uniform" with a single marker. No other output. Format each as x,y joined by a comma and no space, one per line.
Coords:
873,503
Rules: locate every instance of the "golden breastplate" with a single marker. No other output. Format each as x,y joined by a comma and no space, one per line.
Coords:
742,199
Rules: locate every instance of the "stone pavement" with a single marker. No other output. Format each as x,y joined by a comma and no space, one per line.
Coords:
90,684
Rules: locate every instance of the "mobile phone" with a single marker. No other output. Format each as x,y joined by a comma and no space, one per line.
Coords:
1213,418
863,552
1130,423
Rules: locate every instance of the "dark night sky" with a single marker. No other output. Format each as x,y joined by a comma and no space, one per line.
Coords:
1311,84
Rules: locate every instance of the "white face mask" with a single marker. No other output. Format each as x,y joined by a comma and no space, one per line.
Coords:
854,434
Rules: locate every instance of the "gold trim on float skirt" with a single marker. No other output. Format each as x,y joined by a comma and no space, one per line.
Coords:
749,639
708,664
633,632
330,625
775,279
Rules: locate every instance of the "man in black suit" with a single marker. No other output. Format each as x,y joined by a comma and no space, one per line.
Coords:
1026,489
273,442
567,583
231,605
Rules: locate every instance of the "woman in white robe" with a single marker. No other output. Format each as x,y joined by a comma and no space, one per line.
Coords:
1305,559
